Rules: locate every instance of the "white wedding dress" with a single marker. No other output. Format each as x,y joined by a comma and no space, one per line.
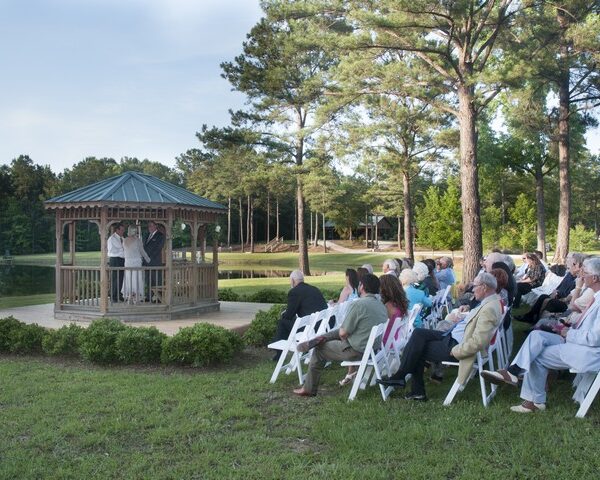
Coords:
133,283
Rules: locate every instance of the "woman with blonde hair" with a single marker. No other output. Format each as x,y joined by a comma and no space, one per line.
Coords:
133,283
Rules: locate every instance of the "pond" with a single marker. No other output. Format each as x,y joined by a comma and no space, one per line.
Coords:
18,280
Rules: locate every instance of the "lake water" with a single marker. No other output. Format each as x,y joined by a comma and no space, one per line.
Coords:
28,280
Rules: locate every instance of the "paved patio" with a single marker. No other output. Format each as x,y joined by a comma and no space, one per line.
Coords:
233,316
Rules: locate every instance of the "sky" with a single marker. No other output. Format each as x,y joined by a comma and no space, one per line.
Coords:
115,78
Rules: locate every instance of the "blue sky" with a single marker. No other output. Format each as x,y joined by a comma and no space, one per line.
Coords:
114,78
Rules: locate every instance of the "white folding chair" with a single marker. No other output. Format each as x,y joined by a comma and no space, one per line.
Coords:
372,364
440,307
403,333
588,385
478,367
301,331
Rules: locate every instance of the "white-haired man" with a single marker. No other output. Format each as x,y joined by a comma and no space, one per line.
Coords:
576,347
462,342
390,267
303,299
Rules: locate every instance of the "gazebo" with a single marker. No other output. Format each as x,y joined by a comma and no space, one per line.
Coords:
188,284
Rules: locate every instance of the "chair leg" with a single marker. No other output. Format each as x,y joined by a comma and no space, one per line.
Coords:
452,393
278,367
589,398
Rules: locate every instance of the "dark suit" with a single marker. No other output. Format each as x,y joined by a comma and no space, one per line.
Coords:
153,247
303,299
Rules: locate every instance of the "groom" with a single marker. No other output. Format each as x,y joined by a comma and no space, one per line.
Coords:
153,245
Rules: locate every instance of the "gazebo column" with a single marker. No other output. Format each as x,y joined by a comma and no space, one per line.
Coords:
72,233
202,237
169,259
216,268
195,267
59,260
103,261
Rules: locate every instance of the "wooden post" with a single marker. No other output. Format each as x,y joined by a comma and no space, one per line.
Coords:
202,237
195,268
216,268
103,260
72,227
169,259
59,260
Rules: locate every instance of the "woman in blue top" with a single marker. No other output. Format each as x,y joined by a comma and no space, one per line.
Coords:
350,290
408,278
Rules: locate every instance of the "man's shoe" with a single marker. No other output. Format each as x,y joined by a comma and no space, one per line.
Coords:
528,407
417,397
303,393
392,382
306,346
500,376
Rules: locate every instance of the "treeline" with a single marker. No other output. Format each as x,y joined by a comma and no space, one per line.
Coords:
491,97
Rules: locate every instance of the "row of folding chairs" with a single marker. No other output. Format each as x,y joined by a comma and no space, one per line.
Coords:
304,329
441,304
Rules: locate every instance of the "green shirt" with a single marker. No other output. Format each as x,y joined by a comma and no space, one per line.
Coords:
362,316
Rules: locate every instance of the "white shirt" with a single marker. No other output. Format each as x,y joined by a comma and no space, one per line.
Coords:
458,332
115,246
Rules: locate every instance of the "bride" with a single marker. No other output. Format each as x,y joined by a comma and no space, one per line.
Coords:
133,283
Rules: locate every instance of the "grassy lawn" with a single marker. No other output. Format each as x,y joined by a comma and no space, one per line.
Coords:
66,419
26,300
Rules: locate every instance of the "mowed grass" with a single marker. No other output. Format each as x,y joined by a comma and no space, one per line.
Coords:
66,419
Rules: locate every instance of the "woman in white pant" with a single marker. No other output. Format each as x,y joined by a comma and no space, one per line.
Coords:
133,283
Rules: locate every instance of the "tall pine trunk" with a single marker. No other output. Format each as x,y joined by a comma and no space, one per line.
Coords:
248,222
228,222
324,236
277,218
268,217
471,230
564,182
251,210
241,225
540,209
408,230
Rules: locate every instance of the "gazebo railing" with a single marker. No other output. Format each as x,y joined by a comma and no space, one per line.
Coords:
80,286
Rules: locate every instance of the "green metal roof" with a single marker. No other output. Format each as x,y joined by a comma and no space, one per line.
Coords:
135,187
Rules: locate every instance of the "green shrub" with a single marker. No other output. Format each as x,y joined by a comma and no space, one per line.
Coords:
27,339
331,294
268,295
201,345
228,295
582,240
64,341
263,327
139,345
8,327
98,341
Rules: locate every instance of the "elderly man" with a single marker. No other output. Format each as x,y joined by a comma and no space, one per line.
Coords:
390,267
462,342
350,341
577,347
444,273
303,299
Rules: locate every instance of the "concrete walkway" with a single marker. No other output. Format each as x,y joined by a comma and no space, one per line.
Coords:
233,316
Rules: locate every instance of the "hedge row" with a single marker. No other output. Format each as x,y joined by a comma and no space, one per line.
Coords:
265,295
108,341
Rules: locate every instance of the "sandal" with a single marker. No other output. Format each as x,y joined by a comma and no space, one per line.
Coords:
349,378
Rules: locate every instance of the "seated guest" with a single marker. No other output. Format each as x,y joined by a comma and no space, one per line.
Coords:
368,266
469,336
558,300
430,281
408,279
502,280
533,278
577,347
303,299
444,273
350,290
390,267
350,341
394,299
422,272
